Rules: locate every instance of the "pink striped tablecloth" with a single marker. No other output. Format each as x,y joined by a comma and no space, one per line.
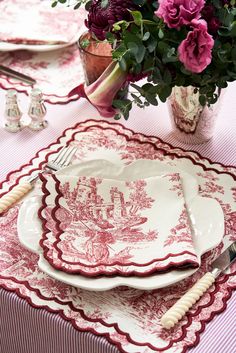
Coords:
25,329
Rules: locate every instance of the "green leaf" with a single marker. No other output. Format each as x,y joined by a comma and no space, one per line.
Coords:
164,92
170,56
119,52
149,88
146,36
202,100
77,6
160,33
84,43
133,48
225,17
233,30
137,16
151,44
185,71
163,47
117,103
217,4
120,25
110,37
156,75
54,4
139,2
213,99
139,89
117,117
136,98
222,84
140,54
167,77
104,3
148,64
151,99
124,105
122,64
87,5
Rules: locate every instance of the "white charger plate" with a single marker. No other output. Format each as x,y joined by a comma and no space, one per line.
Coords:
206,216
5,46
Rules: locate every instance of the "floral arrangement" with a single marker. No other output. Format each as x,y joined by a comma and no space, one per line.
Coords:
168,42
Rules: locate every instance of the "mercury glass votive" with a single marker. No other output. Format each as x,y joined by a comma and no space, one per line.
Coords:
95,57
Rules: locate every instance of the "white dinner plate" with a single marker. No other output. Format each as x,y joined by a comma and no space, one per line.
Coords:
100,168
206,216
5,46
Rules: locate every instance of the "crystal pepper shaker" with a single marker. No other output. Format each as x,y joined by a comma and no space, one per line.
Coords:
13,113
37,110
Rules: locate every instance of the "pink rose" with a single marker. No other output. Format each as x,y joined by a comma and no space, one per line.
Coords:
195,50
176,13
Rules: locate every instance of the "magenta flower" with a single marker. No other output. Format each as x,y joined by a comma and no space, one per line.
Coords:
195,50
176,13
102,92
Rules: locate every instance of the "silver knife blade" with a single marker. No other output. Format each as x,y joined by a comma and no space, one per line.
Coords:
12,73
223,261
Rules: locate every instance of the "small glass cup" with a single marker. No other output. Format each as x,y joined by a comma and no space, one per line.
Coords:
95,57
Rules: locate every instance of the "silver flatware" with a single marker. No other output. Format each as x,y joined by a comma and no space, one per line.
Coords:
181,307
15,74
62,160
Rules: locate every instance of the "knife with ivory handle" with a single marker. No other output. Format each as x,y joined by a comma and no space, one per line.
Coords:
181,307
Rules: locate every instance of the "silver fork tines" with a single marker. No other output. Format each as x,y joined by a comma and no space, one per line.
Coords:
63,158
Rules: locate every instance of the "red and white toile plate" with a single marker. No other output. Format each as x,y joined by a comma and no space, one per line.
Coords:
206,216
43,62
37,26
44,68
127,317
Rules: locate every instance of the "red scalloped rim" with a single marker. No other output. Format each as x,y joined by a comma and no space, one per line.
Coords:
185,327
47,97
190,316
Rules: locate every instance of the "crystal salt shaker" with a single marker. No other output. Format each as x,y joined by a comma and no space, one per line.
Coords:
37,110
13,113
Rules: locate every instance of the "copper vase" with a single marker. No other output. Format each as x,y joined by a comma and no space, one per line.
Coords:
95,57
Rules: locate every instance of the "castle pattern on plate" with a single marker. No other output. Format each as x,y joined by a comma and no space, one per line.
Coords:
104,222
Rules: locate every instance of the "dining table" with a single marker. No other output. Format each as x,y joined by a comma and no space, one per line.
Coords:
27,328
38,313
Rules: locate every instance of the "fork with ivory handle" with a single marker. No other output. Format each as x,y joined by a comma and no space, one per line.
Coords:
62,159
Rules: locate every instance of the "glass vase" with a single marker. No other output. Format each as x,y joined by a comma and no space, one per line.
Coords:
192,123
95,57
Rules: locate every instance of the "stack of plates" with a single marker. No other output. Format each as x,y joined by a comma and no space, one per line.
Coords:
97,225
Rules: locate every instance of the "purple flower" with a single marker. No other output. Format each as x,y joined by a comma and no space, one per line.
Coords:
176,13
208,14
101,19
195,50
226,2
213,25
